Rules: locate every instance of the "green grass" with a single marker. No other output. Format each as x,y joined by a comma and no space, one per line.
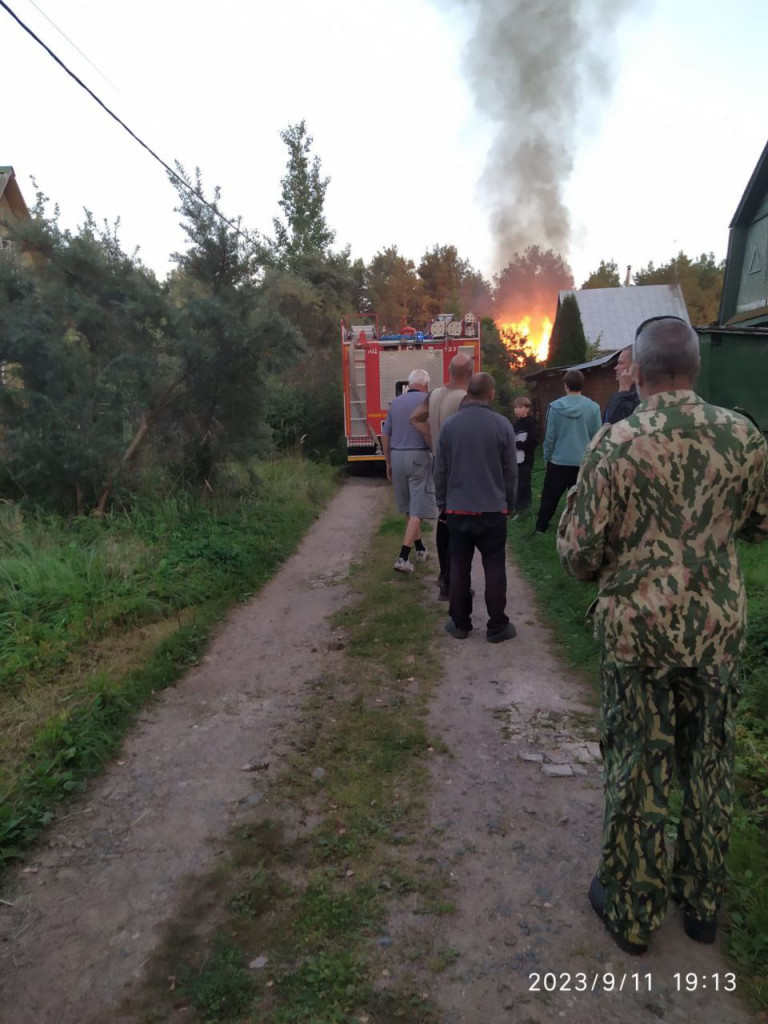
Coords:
315,902
68,586
563,603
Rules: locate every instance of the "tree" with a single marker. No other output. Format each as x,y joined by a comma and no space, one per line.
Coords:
530,283
83,332
506,371
230,340
451,284
393,290
442,273
304,232
701,281
568,344
606,276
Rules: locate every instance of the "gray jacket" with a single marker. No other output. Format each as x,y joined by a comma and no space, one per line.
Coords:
476,462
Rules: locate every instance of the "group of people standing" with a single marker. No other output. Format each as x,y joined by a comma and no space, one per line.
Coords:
660,487
470,489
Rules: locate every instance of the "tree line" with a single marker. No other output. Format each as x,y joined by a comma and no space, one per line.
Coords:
113,381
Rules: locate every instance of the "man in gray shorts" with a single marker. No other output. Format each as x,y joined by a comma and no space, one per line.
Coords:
409,467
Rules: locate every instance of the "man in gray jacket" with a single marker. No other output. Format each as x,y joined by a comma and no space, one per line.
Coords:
475,483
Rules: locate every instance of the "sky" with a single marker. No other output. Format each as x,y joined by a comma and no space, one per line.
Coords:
658,114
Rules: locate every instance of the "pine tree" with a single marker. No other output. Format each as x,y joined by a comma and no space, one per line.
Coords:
568,344
304,233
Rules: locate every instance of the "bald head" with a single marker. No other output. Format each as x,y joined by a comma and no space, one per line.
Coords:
667,355
460,369
482,387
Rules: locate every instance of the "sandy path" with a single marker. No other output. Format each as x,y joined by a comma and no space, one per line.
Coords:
88,909
523,845
519,844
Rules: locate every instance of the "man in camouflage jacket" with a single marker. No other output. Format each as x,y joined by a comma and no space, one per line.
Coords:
660,500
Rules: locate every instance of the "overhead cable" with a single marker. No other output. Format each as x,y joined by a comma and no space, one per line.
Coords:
71,43
122,124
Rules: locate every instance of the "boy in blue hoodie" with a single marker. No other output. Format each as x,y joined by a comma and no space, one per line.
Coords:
572,422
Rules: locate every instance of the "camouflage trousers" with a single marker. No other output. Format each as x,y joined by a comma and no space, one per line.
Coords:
653,721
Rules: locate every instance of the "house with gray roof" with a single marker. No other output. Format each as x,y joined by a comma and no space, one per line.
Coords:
611,315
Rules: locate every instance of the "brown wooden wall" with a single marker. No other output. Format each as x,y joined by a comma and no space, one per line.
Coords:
599,385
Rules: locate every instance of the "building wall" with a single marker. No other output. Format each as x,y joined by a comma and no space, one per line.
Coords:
734,371
753,286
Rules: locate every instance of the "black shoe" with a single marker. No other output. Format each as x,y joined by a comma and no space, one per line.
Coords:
699,931
597,900
508,633
453,629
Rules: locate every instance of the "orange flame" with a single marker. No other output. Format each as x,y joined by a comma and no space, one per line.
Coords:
535,329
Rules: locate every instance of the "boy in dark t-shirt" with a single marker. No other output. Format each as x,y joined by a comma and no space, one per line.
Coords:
527,437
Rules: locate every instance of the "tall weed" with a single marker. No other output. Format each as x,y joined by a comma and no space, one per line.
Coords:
66,584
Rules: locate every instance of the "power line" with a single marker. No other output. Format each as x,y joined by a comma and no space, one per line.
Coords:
122,124
72,44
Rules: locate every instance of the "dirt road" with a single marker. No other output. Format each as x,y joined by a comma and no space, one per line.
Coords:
515,819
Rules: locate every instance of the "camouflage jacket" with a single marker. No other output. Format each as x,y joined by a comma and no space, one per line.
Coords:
661,498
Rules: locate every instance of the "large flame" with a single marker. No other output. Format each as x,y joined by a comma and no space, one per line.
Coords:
536,331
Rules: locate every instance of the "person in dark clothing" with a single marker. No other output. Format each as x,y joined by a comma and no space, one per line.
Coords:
526,438
626,399
428,419
475,485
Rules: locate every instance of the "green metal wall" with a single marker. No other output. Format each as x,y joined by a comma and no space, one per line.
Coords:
734,372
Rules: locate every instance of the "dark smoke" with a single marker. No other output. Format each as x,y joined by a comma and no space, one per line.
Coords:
540,70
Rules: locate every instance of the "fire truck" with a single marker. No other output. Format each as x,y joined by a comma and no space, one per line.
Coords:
376,365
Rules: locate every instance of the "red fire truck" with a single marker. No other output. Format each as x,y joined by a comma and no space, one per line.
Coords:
376,365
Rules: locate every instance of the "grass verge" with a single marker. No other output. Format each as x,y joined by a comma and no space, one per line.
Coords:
292,926
69,588
563,602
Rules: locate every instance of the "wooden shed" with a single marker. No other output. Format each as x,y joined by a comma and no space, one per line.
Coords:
547,385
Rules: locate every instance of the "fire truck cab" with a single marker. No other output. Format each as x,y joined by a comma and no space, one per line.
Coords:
376,365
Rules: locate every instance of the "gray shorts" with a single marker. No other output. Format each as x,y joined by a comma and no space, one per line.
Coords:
414,484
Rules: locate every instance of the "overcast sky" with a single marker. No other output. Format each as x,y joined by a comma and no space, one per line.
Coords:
666,136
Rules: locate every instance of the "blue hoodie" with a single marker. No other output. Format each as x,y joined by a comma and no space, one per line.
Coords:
572,422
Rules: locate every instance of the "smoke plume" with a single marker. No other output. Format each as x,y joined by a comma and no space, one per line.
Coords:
540,70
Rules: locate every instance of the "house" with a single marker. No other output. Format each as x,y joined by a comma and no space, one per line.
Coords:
13,209
734,352
610,316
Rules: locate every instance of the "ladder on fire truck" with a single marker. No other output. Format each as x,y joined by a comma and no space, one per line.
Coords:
358,408
358,419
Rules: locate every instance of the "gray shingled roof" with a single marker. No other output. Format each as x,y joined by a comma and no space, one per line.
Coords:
612,315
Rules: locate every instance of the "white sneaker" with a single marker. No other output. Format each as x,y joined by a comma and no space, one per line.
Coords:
403,565
422,555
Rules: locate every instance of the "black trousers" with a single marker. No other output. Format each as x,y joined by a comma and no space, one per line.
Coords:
442,541
557,480
523,496
487,533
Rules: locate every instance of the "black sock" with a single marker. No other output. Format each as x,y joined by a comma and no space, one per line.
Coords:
405,552
419,544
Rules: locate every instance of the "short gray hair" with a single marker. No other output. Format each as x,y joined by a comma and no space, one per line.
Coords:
418,377
667,347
